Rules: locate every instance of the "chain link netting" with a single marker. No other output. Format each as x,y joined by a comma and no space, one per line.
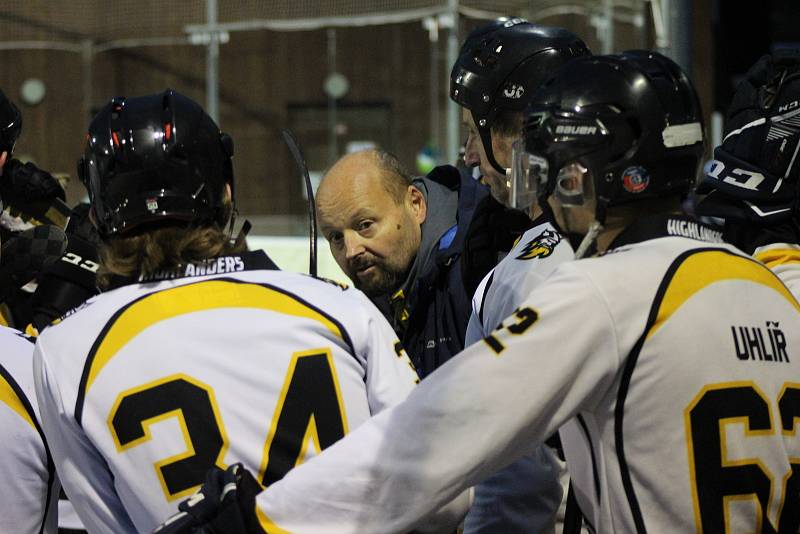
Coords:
100,21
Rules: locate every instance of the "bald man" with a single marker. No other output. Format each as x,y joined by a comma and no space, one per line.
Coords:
417,247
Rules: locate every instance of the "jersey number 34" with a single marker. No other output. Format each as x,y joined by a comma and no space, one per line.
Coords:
309,409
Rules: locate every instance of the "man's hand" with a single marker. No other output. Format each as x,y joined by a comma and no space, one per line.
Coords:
225,504
33,195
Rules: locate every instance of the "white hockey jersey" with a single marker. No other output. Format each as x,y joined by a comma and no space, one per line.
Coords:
537,253
680,358
146,387
524,496
784,260
29,493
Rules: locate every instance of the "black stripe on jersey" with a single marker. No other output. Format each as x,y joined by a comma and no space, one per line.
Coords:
589,526
51,469
485,292
595,472
345,335
630,364
87,366
26,337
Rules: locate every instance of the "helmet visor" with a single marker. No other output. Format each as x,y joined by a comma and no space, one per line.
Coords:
528,176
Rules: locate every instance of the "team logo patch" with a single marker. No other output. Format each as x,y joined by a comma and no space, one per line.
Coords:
635,179
541,246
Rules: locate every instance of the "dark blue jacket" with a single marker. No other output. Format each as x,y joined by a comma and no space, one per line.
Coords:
438,304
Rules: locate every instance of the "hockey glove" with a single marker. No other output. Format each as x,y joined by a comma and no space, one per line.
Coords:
224,505
30,192
492,232
69,282
23,183
26,254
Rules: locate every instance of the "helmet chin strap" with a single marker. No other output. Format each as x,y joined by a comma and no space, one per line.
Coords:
595,228
589,239
485,131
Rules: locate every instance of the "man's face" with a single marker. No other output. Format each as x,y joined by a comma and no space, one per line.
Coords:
475,156
373,238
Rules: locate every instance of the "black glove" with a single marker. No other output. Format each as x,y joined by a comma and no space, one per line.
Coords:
224,505
493,230
27,254
31,193
25,183
69,282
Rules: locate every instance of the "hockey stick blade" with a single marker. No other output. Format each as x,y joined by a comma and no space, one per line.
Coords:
300,162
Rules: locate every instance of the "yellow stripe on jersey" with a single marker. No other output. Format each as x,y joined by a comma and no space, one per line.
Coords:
190,298
705,268
9,397
267,524
778,256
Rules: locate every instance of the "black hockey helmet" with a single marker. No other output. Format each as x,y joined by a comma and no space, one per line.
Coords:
755,173
501,64
10,124
153,158
631,120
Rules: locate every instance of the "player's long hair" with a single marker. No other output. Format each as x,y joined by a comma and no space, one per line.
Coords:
163,247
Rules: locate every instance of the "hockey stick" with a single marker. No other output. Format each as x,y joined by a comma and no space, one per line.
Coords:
300,161
55,212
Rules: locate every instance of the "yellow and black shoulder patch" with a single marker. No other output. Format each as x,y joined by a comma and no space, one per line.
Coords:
540,246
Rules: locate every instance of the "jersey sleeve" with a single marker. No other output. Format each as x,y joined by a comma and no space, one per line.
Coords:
27,500
390,375
81,468
476,414
474,329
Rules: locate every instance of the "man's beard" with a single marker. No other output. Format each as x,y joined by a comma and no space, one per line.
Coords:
383,280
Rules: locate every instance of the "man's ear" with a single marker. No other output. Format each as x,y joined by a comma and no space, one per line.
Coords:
419,207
